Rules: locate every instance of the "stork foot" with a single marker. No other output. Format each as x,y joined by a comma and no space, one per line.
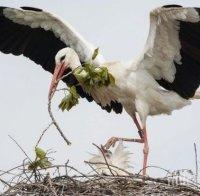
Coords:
112,141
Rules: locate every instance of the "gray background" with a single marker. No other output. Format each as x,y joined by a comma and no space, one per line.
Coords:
120,29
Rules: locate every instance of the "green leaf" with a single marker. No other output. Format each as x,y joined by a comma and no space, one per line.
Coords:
91,82
44,163
104,73
96,52
82,76
64,103
111,79
40,161
73,91
89,76
70,100
41,154
97,70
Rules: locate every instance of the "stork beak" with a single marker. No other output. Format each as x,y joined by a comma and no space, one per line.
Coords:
57,75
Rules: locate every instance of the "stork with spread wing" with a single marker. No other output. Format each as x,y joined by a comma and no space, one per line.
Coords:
162,79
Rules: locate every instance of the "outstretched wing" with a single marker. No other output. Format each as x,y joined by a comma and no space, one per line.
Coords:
39,35
172,51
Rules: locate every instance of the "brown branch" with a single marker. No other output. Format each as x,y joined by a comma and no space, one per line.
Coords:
196,162
98,185
104,158
56,124
153,166
4,182
20,147
51,113
62,89
93,169
50,185
111,166
43,132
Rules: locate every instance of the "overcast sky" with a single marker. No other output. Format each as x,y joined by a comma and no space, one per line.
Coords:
119,28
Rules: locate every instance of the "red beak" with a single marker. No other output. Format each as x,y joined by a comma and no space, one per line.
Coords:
58,73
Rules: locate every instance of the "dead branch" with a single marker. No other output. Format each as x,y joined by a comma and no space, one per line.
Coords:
56,124
43,132
20,147
104,158
50,185
80,184
196,163
112,167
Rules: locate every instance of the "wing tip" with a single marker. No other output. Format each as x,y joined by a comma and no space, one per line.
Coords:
198,10
172,6
31,9
24,8
1,9
114,106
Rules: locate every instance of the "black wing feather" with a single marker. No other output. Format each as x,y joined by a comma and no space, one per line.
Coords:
40,46
171,6
32,9
187,78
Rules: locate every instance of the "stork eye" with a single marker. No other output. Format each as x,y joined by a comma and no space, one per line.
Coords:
62,58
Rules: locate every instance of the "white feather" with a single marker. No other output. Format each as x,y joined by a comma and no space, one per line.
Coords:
60,28
119,158
163,45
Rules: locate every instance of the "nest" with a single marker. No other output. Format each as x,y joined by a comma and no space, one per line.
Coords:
103,179
45,179
99,185
43,182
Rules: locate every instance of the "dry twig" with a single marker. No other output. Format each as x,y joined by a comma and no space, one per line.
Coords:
41,136
196,162
56,124
104,159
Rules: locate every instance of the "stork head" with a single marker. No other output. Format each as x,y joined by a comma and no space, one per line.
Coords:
65,58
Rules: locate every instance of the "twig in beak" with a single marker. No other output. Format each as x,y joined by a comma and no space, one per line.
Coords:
55,123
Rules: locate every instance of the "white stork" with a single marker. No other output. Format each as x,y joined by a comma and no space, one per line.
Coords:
163,78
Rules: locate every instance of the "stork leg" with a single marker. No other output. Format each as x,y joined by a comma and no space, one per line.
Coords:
140,130
112,141
143,135
145,152
143,139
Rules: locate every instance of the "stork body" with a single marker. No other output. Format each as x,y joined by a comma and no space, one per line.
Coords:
163,78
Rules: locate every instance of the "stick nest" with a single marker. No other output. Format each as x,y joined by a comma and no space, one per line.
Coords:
100,185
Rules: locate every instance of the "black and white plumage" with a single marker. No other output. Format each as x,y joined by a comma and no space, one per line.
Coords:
162,79
39,35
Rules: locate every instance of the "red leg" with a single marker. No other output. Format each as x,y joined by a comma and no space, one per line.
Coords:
143,135
140,130
145,151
